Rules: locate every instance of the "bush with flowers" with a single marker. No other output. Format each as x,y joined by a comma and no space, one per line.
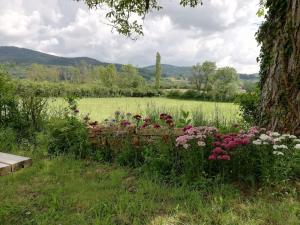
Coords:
201,153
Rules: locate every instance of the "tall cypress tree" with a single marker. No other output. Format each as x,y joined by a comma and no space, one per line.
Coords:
157,71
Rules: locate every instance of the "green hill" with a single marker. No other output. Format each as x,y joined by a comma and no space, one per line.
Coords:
23,57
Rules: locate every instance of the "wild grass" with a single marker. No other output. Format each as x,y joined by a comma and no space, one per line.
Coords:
202,113
66,191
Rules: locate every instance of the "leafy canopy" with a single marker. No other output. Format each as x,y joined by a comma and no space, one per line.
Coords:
126,16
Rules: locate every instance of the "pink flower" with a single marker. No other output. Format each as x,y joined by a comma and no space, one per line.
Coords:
225,157
212,157
218,150
245,141
182,140
125,123
191,131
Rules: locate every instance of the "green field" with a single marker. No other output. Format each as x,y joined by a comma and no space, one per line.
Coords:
103,108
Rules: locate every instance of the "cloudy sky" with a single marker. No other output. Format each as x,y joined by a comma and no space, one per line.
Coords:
220,30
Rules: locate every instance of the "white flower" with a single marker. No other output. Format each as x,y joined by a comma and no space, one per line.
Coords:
274,134
283,146
296,140
264,137
293,137
278,153
186,146
280,147
265,143
201,143
257,142
278,139
297,146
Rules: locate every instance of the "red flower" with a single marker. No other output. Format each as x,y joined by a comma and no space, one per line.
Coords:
169,121
156,126
187,128
217,144
163,116
137,117
147,120
94,123
168,117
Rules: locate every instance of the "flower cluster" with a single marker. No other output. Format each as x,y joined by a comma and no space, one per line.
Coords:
137,117
199,134
167,118
125,123
224,143
231,141
147,123
219,154
278,141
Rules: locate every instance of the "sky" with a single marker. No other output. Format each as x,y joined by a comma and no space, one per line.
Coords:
222,31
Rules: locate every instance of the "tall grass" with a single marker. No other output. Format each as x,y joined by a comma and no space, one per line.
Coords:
201,112
197,115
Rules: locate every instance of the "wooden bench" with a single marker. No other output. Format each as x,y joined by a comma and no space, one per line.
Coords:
11,163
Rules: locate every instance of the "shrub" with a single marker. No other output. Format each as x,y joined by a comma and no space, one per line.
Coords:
7,139
197,95
249,106
25,114
68,134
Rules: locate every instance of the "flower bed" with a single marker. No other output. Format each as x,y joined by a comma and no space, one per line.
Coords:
193,154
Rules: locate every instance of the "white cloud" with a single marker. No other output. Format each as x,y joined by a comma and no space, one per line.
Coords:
221,30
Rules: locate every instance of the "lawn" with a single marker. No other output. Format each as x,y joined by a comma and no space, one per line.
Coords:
65,191
103,108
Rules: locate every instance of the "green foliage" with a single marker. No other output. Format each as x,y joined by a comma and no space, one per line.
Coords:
185,119
249,106
7,139
25,113
50,89
68,135
8,100
123,14
157,71
224,83
202,73
197,95
37,72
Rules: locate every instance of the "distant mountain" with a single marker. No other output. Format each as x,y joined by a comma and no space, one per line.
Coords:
170,70
26,57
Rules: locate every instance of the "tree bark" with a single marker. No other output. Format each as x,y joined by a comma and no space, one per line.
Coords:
280,90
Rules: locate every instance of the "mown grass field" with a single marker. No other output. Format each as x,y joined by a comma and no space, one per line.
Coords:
73,192
103,108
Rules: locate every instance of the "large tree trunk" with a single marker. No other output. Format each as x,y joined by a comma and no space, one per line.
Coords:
280,67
